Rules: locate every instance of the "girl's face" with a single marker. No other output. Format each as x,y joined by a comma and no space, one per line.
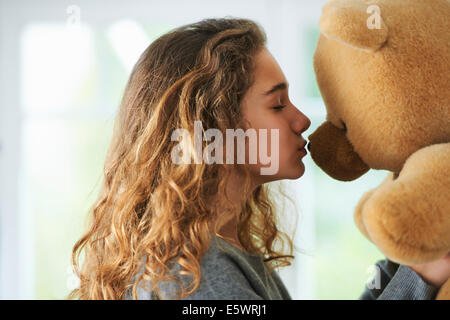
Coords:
266,105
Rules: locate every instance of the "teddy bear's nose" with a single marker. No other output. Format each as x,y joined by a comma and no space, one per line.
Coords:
307,146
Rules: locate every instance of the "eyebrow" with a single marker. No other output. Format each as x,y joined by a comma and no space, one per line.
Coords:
280,86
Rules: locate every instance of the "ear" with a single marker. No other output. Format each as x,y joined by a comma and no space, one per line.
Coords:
354,23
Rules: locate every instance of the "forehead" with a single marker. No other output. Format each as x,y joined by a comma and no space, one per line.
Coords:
267,71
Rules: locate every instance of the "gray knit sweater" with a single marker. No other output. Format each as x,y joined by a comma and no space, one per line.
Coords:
228,273
398,282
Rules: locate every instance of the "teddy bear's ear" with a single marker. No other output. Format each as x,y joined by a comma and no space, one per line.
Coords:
354,23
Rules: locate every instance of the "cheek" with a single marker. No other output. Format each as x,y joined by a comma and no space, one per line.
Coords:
276,130
280,141
274,141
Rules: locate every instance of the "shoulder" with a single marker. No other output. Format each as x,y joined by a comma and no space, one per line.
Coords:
235,274
225,271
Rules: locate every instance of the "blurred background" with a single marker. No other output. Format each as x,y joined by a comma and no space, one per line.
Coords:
63,69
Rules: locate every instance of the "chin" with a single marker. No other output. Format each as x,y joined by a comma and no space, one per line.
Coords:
300,174
290,171
298,171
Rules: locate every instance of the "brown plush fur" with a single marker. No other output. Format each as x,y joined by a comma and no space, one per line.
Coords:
387,94
444,293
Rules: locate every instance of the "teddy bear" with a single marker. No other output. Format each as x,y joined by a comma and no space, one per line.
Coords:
383,70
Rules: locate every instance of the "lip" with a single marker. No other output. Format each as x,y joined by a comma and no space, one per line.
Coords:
303,150
302,146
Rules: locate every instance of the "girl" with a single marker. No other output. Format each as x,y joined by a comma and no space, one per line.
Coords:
152,212
162,229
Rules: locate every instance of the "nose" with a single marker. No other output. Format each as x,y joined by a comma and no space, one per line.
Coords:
307,146
308,123
302,123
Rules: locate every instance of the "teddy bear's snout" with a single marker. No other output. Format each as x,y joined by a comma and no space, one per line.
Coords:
334,154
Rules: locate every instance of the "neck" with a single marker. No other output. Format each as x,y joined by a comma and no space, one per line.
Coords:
224,211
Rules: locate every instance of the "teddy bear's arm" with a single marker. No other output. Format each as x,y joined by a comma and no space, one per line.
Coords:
360,207
444,292
409,218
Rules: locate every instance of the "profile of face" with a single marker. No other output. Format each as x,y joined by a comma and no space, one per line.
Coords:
266,105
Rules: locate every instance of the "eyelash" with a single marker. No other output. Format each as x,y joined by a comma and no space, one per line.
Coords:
279,108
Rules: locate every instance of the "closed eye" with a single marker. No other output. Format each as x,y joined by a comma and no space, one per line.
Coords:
279,108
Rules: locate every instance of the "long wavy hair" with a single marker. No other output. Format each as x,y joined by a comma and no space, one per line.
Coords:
151,211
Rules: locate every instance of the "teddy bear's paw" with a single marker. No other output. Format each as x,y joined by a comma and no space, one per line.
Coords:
359,211
358,218
407,225
444,292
